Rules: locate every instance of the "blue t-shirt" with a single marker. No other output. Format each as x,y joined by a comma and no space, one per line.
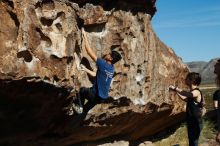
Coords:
104,77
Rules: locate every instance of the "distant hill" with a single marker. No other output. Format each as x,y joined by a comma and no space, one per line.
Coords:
204,68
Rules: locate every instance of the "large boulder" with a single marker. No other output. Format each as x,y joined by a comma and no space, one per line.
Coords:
38,71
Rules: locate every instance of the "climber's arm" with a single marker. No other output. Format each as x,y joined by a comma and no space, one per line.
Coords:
89,50
90,72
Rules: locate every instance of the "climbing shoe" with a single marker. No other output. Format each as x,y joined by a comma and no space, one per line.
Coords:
77,108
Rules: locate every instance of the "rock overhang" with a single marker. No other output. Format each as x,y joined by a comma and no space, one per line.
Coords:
135,6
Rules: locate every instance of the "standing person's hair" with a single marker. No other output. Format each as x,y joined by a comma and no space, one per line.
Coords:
193,78
218,73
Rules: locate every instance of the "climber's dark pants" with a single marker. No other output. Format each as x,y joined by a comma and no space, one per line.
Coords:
93,99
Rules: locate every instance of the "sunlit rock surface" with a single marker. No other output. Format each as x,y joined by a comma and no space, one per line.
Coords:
38,71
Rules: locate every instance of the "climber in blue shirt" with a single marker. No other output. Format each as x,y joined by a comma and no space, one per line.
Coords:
103,77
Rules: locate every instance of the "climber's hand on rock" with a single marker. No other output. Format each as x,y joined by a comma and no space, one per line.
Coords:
82,67
172,88
83,31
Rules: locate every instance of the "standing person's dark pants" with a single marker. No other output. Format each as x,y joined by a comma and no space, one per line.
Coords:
218,118
93,99
194,128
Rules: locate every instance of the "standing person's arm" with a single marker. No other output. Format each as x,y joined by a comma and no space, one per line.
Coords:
215,99
178,91
184,95
215,104
89,50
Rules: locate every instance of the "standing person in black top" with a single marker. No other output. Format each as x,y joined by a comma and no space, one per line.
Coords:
216,98
194,100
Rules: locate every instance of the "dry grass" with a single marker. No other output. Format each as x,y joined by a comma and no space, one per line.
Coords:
180,136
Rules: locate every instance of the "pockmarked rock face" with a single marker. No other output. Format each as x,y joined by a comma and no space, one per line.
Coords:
39,71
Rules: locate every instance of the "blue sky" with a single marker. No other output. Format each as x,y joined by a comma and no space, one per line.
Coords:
190,27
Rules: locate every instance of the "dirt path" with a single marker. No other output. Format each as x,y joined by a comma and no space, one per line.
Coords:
207,87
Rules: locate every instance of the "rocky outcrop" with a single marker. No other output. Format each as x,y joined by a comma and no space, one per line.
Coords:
38,69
